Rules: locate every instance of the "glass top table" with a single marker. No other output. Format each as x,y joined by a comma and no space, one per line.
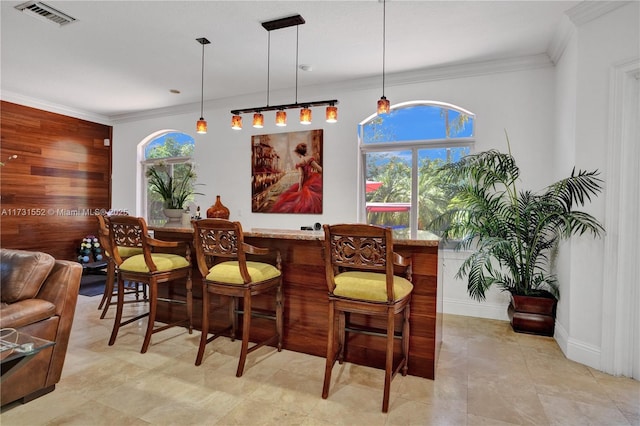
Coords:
17,348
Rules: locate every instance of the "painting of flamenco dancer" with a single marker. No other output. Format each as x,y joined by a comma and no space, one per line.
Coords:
286,172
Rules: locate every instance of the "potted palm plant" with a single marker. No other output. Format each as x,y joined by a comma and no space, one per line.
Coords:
514,233
175,189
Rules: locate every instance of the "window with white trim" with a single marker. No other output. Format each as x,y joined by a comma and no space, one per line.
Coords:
172,151
399,153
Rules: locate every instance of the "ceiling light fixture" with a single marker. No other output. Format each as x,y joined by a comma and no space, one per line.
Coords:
201,125
332,113
383,102
281,114
281,118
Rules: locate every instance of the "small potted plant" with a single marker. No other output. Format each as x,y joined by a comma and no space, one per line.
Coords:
175,188
513,233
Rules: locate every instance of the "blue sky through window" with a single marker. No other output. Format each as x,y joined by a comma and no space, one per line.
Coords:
419,122
180,138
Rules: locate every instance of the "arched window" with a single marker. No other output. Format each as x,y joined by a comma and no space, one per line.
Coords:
399,153
170,149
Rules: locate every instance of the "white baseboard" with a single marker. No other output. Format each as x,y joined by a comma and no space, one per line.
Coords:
470,308
576,350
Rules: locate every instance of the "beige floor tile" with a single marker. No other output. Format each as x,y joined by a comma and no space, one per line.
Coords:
473,420
95,414
507,402
352,405
565,411
486,375
289,391
261,414
407,412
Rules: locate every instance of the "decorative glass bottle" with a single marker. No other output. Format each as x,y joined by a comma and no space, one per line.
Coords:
218,210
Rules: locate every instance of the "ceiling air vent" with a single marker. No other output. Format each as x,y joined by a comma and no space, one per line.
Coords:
45,12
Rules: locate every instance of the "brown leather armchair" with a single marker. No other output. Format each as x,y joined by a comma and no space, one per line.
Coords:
38,297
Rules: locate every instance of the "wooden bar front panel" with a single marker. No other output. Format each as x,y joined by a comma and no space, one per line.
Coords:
306,304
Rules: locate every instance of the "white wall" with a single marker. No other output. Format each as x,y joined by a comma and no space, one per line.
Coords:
520,102
515,101
584,94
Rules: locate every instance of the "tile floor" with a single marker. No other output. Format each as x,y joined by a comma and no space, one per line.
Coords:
487,375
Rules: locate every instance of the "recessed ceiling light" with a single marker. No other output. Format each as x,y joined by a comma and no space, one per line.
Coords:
176,91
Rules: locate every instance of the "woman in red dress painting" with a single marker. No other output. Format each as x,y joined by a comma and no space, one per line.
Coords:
306,195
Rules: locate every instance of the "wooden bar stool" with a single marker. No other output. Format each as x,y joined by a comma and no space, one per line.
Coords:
150,268
136,289
221,254
360,262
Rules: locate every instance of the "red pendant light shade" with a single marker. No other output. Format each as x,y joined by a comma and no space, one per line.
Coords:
332,114
383,105
281,118
258,120
236,122
201,126
305,115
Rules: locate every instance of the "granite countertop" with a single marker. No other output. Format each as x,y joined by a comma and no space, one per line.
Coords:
178,229
295,234
289,234
292,234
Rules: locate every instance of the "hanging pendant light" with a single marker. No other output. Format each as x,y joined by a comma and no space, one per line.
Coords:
258,120
332,114
281,118
281,114
305,115
236,122
201,125
383,102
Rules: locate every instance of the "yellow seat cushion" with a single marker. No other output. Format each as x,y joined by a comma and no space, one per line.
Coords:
229,272
128,251
163,261
370,286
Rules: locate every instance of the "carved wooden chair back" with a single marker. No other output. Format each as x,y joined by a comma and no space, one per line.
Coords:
221,253
151,267
219,240
137,289
360,265
359,247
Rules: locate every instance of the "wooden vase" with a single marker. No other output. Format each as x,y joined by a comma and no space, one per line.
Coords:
218,210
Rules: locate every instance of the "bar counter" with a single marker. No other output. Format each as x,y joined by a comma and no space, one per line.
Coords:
306,304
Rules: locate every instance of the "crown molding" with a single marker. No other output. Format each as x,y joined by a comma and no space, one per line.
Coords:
578,15
561,38
471,69
587,11
17,98
446,72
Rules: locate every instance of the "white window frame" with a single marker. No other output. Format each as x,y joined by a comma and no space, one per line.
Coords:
414,146
144,164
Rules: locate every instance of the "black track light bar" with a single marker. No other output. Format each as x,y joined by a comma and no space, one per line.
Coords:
285,106
277,24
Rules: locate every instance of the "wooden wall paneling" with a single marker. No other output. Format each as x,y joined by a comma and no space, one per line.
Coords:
61,177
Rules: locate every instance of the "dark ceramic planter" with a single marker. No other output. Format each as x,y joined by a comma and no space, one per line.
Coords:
533,314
